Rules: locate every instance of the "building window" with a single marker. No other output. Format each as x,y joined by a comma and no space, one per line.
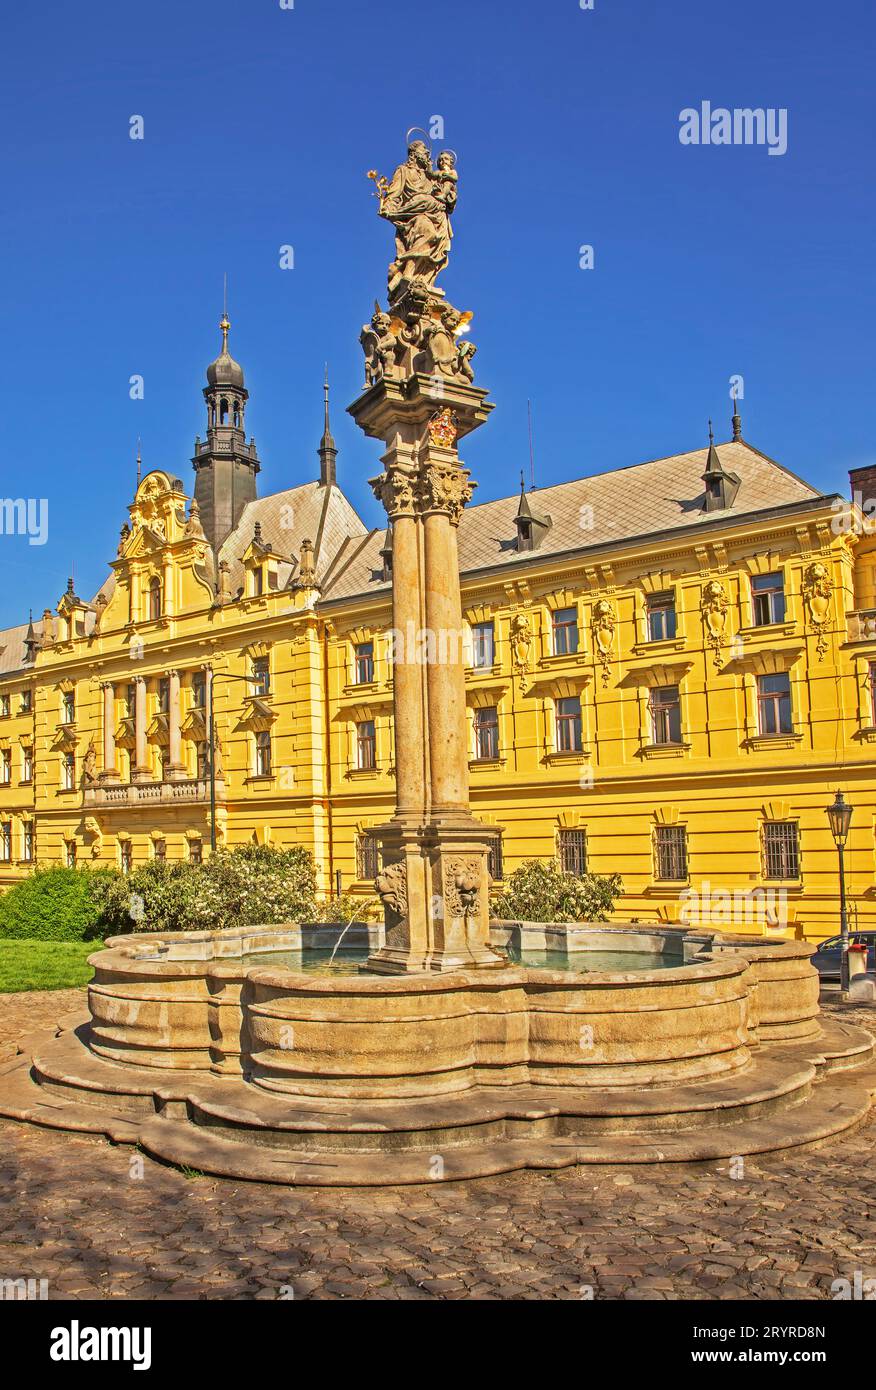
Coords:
257,580
486,730
4,706
670,847
572,852
483,651
364,663
5,842
768,599
366,745
159,850
260,676
781,849
263,754
126,856
27,842
5,767
163,695
68,707
196,851
661,617
68,772
564,623
569,724
367,857
199,690
27,765
70,853
202,755
26,702
774,705
130,701
154,599
495,859
665,707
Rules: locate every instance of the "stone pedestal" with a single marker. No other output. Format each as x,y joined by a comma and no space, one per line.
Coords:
434,883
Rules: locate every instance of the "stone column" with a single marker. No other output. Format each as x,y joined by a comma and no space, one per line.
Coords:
109,733
175,767
140,770
444,485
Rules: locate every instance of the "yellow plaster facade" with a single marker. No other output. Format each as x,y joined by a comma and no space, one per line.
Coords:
676,704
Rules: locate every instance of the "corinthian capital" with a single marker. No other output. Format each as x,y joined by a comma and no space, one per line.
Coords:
395,490
445,488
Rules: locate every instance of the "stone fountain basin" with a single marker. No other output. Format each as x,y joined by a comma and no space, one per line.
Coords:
202,1001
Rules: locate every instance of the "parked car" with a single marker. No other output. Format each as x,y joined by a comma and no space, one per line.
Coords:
827,958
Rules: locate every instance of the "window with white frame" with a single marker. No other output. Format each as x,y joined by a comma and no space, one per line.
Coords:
5,767
363,663
768,599
263,754
664,704
26,764
660,617
68,772
564,629
774,704
68,707
568,717
260,676
486,732
482,646
366,745
5,841
27,842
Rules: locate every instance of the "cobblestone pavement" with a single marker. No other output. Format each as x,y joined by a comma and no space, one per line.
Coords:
74,1211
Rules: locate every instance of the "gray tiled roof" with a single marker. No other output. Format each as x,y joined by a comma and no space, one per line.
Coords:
661,496
12,648
321,515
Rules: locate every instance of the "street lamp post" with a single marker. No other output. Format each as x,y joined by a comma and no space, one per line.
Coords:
840,815
211,743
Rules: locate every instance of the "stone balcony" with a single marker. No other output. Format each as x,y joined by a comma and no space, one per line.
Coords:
151,793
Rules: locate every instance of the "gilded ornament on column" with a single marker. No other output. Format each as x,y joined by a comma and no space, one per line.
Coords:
714,609
816,592
443,428
603,635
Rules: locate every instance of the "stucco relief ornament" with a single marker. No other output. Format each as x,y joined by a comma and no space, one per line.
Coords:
461,883
816,592
392,888
714,608
603,635
443,428
521,644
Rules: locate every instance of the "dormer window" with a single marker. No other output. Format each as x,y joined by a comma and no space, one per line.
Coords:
154,599
257,579
524,535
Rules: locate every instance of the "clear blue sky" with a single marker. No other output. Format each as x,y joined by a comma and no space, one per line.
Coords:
260,124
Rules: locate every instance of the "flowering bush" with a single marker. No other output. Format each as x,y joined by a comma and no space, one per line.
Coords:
539,891
243,887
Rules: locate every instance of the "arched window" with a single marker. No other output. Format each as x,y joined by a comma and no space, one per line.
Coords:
237,415
154,599
213,416
223,411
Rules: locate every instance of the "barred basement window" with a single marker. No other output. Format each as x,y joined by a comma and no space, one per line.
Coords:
572,851
495,864
670,851
367,858
781,849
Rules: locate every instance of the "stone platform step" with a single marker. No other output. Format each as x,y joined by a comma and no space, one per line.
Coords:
797,1095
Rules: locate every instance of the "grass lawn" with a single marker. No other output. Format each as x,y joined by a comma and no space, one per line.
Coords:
26,964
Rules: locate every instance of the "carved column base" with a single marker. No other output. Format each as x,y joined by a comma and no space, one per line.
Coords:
435,890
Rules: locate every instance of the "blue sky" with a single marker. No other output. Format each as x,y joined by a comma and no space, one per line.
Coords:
260,123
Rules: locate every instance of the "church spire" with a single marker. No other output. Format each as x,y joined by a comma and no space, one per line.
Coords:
327,451
225,463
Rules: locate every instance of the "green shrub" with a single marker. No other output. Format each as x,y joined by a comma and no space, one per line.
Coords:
56,904
539,891
158,896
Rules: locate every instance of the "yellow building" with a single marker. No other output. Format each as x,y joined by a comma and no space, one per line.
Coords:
670,671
